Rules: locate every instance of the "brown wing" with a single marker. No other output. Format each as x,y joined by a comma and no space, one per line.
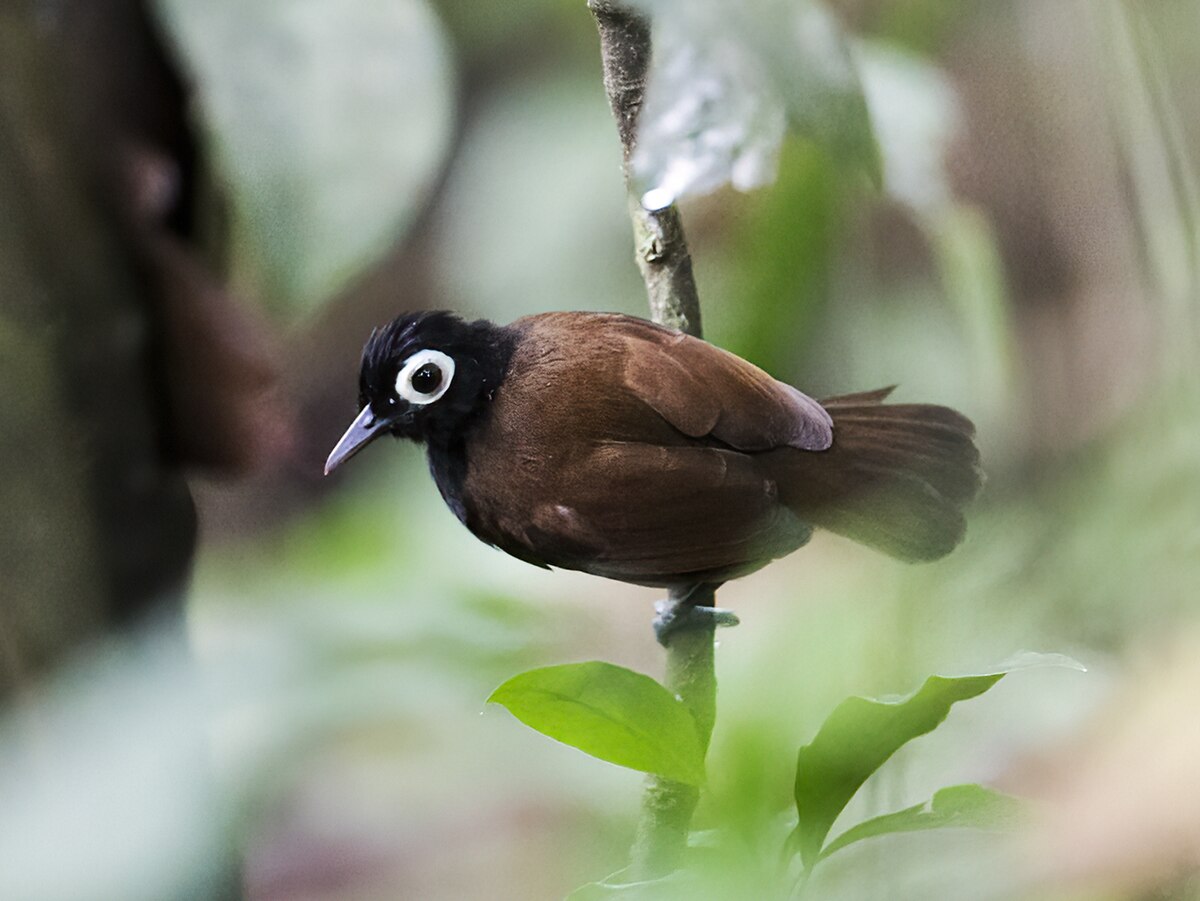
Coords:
700,390
703,390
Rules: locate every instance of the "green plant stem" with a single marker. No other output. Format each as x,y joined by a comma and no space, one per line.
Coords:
666,267
667,806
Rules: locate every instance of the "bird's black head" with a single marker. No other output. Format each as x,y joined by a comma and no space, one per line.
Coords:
424,376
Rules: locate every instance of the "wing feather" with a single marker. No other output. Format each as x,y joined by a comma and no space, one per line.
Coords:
705,391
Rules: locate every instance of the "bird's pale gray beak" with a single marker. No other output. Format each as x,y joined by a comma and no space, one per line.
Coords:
365,429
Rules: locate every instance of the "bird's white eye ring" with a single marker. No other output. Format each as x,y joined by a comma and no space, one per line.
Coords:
425,377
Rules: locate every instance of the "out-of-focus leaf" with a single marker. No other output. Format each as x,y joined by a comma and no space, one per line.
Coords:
915,114
541,152
956,807
326,123
479,30
724,87
972,272
921,26
670,886
781,263
103,770
611,713
862,733
714,872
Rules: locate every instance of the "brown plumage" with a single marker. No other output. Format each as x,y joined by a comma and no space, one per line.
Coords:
608,444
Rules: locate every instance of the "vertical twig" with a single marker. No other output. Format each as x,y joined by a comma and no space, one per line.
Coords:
666,267
662,253
667,806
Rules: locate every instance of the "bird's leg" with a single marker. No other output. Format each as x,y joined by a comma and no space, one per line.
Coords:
684,609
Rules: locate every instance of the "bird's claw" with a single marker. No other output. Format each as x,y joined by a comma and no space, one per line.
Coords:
675,617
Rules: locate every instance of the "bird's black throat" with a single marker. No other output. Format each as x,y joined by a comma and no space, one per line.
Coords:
446,443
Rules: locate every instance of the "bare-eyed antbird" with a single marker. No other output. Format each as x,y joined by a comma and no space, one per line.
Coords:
607,444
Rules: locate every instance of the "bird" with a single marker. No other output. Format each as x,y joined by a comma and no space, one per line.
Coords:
608,444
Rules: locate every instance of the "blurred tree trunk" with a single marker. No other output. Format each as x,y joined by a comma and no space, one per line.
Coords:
122,359
98,524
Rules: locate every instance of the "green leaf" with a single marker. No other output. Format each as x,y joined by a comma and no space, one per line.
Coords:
611,713
861,734
957,807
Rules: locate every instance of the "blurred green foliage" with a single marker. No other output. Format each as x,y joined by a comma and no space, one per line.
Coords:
782,261
327,127
349,650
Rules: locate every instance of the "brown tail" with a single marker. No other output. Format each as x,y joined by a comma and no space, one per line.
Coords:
896,478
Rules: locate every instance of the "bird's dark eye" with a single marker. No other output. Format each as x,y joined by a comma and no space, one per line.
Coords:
427,378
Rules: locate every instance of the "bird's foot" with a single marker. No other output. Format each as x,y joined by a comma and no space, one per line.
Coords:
675,616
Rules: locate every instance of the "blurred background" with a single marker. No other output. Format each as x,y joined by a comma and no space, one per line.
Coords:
225,675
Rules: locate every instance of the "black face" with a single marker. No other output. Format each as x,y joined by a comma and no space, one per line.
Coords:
427,373
425,376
